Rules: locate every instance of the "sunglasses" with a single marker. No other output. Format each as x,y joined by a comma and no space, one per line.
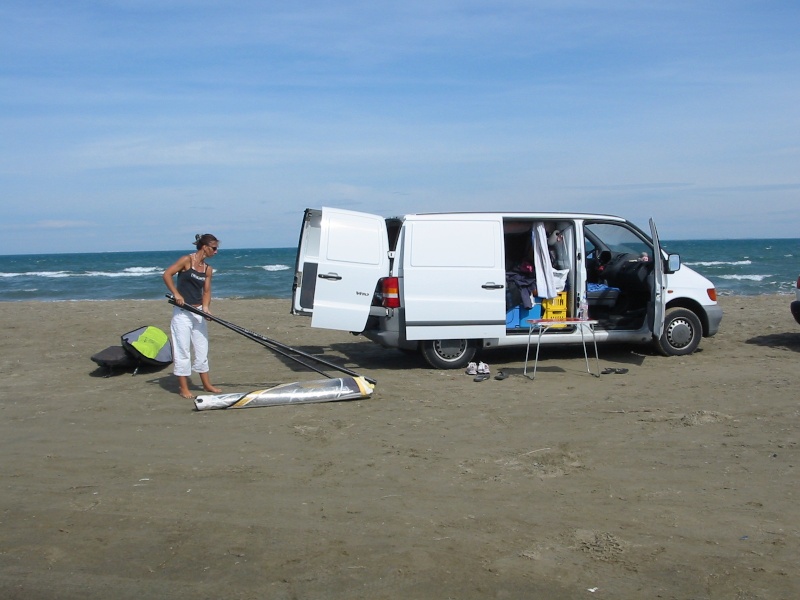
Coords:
214,248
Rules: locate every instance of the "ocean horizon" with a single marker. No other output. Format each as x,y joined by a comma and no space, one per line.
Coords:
736,267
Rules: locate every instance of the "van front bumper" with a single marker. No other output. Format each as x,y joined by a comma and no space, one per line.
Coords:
714,316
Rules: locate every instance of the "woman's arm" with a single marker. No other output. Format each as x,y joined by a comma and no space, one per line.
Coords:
183,263
207,290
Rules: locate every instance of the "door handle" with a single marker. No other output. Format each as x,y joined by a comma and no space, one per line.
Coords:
330,276
493,286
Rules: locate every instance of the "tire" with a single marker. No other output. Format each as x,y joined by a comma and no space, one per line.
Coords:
448,354
682,332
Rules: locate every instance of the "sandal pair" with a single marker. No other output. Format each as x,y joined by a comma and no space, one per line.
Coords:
484,376
609,370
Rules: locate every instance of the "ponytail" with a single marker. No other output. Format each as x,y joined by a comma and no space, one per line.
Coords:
204,240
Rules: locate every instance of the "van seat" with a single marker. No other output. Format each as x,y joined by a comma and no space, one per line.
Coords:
598,294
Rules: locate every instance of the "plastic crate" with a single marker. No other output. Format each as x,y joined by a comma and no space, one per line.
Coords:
554,314
518,316
555,308
555,304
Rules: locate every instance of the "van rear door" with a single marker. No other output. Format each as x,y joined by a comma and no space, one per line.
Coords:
340,258
453,279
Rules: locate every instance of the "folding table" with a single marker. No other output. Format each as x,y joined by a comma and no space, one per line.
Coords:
544,324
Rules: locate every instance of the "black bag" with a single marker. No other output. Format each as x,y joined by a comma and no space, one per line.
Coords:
146,345
114,357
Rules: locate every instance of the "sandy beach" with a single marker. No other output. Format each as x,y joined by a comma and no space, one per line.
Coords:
677,479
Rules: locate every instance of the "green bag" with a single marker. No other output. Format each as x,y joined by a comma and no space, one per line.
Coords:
149,345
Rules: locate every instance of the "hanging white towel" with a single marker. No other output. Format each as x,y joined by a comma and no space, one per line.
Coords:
543,268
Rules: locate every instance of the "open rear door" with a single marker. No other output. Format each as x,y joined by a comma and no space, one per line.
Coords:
659,285
340,258
454,277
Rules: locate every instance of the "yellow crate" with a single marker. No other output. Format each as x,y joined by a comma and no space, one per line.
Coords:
555,314
555,304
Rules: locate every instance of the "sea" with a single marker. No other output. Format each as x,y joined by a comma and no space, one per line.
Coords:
736,267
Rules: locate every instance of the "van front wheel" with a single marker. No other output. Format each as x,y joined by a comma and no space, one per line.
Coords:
448,354
682,332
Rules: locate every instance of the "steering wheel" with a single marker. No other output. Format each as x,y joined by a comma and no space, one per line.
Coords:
598,265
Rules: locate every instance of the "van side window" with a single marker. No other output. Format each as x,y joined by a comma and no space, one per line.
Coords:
617,239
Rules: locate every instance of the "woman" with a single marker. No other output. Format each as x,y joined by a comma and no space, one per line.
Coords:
190,330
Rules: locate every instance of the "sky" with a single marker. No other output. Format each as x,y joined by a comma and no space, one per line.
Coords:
133,124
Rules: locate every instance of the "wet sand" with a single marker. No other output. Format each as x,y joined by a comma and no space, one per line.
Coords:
677,479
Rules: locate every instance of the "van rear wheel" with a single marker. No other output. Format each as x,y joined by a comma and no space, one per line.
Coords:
448,354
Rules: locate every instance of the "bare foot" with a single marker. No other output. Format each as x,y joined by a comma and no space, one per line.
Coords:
188,395
207,385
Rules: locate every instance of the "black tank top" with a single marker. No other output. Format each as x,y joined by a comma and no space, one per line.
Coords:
190,285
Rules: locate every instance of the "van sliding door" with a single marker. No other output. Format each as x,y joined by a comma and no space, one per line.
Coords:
453,277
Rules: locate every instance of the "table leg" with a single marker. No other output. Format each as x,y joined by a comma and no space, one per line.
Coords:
538,345
596,355
527,350
583,343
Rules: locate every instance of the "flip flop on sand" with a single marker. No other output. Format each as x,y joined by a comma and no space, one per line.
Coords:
501,375
609,370
481,377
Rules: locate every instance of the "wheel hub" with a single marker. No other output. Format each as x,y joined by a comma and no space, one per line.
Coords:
450,349
680,333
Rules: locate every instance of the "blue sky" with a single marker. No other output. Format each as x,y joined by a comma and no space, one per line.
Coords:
134,124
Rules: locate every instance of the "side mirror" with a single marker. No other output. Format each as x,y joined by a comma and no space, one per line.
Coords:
673,262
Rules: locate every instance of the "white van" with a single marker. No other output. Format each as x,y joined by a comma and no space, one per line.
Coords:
450,284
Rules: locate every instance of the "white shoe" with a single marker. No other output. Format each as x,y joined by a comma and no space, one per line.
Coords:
472,369
483,368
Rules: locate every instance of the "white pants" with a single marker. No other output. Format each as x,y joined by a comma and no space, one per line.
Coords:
189,330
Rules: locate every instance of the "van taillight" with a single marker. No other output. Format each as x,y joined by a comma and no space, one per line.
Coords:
712,293
390,289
